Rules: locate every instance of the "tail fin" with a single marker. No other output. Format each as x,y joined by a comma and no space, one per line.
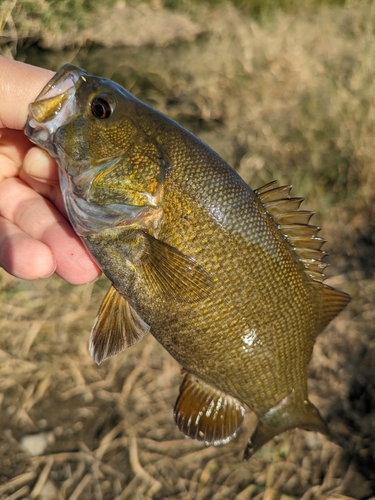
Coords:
286,415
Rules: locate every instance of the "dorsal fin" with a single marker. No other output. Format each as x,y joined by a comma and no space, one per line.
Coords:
294,225
333,302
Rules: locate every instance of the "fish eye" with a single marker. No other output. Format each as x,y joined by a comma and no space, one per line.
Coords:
101,107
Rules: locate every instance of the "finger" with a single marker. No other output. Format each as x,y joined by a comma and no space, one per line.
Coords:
13,148
20,84
22,256
74,263
40,172
39,165
51,191
38,218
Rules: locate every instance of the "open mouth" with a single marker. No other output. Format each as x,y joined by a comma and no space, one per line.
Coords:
67,77
54,105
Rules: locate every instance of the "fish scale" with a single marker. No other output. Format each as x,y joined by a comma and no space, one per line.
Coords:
229,280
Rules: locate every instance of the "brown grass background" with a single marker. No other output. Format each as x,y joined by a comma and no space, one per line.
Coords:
288,97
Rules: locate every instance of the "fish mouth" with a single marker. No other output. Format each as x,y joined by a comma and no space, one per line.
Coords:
54,106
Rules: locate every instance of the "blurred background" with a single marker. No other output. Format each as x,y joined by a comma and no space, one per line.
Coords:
282,90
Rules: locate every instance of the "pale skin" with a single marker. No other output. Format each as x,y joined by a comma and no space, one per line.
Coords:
36,239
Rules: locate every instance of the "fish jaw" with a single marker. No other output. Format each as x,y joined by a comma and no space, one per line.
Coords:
53,107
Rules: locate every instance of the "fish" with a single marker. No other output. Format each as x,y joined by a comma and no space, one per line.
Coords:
228,279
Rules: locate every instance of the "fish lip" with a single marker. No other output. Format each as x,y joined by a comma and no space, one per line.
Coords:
56,85
44,121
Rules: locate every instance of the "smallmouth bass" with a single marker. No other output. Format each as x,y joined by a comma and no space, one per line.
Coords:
229,280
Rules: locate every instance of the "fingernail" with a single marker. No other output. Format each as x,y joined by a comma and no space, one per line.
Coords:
49,274
95,280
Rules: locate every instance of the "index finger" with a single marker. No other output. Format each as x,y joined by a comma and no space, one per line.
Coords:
20,84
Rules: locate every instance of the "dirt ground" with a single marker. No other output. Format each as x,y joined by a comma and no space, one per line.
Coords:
293,99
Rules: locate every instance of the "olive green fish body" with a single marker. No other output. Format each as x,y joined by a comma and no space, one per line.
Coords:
228,280
243,328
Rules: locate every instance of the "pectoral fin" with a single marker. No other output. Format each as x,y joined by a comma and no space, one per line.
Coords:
117,326
288,414
173,274
205,413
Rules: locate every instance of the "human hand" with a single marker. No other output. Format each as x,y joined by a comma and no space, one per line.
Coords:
36,238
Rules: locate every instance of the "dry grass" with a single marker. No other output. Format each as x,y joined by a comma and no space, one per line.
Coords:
110,432
291,99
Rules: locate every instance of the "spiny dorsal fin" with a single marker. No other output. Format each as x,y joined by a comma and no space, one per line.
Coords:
294,225
117,326
205,413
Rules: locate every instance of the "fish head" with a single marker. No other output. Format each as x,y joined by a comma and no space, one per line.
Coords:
82,117
98,132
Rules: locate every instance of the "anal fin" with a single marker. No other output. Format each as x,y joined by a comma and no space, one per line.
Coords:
117,326
205,413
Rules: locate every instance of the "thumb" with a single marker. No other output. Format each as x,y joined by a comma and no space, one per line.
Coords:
20,84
